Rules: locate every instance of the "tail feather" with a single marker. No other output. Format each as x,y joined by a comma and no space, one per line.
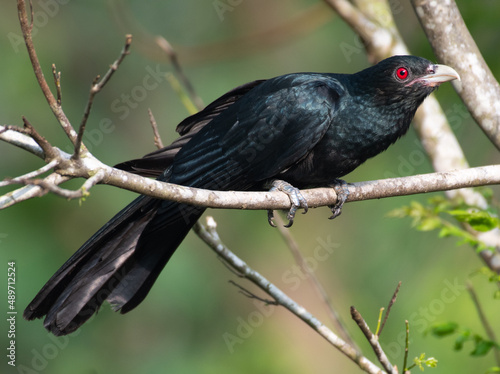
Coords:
50,292
152,254
119,264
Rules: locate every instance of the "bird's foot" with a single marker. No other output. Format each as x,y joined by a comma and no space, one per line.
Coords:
296,199
342,191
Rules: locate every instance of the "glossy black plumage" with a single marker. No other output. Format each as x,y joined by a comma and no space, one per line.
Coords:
307,129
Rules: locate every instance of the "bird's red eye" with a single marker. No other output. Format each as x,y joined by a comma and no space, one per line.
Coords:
402,73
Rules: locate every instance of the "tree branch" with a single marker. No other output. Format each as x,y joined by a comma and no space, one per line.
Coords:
210,236
416,184
453,45
26,28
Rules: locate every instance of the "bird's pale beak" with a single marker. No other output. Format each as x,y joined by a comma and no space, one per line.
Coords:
439,74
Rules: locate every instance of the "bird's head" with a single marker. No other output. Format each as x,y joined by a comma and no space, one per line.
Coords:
407,80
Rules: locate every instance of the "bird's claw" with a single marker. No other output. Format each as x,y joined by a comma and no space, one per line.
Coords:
343,192
270,216
296,199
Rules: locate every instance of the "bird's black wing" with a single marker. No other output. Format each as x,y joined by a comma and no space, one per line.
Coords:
267,131
154,163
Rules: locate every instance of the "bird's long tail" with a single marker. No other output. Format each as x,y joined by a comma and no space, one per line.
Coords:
118,264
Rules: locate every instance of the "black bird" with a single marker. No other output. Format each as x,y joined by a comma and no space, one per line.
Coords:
307,129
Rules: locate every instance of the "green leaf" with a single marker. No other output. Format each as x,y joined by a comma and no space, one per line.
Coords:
443,329
399,212
482,347
428,224
494,369
479,220
450,230
461,339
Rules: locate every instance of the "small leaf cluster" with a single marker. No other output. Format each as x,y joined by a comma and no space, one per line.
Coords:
436,216
481,346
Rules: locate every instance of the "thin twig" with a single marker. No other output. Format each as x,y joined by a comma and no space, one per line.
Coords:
379,320
30,191
484,320
156,133
374,342
209,235
48,185
97,86
299,259
15,128
172,55
251,295
407,344
19,139
30,175
57,81
47,148
26,28
391,303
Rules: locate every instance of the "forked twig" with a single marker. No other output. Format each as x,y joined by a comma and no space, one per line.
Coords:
391,303
48,150
26,28
97,86
30,175
374,342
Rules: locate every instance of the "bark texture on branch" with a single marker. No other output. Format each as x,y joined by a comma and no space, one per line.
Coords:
453,45
91,168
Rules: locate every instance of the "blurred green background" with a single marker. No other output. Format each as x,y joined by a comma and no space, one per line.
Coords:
194,321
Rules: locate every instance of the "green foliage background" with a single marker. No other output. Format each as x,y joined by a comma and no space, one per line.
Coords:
182,325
